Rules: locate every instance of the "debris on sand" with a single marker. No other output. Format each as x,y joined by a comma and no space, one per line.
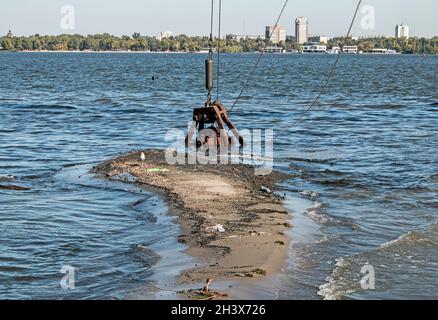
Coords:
244,275
258,234
217,228
250,274
207,285
265,190
204,293
259,272
157,170
201,295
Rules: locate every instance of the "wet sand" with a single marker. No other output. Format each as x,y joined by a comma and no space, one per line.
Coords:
234,229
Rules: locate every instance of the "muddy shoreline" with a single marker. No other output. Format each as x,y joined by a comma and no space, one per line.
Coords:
232,221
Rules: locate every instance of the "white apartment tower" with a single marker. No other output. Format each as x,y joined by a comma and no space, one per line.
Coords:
401,31
278,34
301,30
166,35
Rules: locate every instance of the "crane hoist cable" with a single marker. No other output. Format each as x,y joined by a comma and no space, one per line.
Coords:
254,68
209,123
329,76
219,50
209,65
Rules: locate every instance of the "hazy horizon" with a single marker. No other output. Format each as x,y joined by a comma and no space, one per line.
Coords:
26,17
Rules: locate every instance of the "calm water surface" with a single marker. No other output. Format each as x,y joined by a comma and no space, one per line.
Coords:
364,167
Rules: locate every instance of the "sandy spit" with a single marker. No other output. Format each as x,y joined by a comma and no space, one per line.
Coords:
234,229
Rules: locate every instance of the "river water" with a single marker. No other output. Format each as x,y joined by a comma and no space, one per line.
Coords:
363,166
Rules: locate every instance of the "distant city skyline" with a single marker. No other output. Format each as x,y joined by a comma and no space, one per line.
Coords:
152,17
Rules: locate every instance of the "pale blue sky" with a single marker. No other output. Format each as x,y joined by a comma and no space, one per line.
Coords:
327,17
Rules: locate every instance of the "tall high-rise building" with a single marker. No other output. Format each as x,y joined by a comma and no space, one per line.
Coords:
166,35
301,30
278,34
401,31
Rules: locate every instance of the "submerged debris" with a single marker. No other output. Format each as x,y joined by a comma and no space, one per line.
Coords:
204,293
12,187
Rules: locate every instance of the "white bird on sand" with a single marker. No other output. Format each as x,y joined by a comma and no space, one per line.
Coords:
142,157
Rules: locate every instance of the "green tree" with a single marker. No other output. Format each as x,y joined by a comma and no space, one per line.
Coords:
8,44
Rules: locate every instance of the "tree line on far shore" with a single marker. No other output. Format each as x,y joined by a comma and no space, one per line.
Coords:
183,43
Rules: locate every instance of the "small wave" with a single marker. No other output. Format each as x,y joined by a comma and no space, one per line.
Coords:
107,102
318,205
11,99
41,86
309,194
332,172
406,254
138,203
27,278
318,217
49,107
328,238
7,130
312,160
336,182
245,97
315,215
335,287
7,177
144,254
384,106
11,269
411,238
